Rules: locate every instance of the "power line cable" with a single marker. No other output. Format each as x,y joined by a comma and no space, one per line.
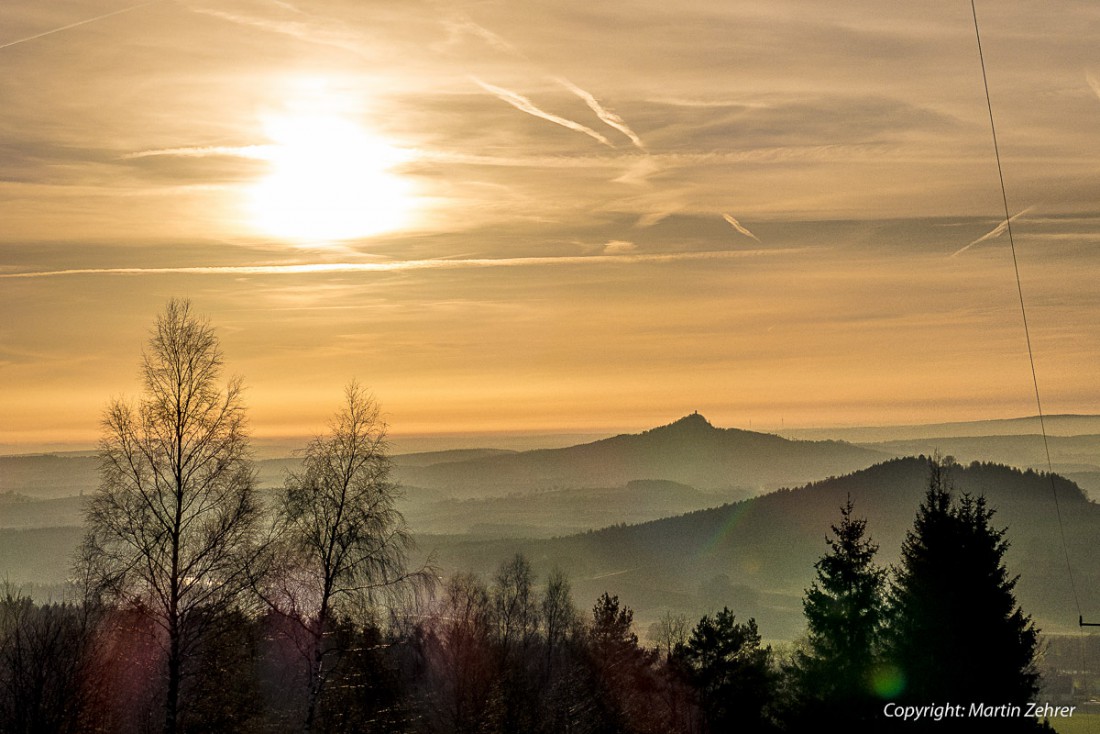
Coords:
1023,313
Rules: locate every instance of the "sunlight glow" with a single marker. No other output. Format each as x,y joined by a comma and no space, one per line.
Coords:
330,180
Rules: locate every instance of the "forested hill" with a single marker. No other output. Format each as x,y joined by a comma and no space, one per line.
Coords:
690,451
757,556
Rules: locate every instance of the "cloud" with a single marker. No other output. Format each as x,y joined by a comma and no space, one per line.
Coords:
460,25
638,173
303,26
739,227
608,117
205,151
525,105
993,233
618,254
1093,83
619,247
651,218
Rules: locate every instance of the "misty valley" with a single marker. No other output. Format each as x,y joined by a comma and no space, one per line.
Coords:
660,529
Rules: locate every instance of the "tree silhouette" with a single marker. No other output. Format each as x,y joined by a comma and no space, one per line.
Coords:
171,527
558,615
515,606
462,666
730,672
624,674
956,632
341,543
47,665
845,612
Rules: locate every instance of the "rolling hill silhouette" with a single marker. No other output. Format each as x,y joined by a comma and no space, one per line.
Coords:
757,556
690,451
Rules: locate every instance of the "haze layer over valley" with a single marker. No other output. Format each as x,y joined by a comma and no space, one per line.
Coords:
679,518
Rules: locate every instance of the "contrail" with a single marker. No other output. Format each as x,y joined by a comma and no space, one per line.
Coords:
405,265
739,227
77,24
993,233
525,105
608,117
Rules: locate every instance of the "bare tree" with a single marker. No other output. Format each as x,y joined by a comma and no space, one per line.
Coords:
515,606
668,632
342,544
559,615
172,525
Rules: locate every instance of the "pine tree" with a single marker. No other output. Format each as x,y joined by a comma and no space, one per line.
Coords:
623,672
730,672
844,611
956,633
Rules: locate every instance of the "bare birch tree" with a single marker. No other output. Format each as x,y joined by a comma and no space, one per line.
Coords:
341,543
172,525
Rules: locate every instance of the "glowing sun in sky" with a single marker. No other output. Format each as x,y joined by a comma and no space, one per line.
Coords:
330,180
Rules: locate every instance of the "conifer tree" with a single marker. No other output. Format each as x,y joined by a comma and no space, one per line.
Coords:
844,611
623,671
730,671
956,632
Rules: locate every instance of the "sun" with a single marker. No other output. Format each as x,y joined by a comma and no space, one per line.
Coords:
330,180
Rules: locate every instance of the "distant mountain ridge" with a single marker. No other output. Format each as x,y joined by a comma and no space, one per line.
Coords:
1067,424
1067,453
690,451
757,556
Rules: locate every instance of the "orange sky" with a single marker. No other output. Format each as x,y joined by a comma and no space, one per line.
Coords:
550,216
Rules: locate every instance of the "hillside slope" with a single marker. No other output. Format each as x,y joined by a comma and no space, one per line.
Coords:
690,451
757,556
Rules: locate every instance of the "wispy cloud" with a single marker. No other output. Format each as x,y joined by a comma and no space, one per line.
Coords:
651,218
86,21
609,118
287,6
1093,83
619,247
638,173
459,25
997,231
739,227
205,151
301,25
525,105
405,265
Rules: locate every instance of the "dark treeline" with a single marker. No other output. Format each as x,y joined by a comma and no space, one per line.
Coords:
507,655
513,653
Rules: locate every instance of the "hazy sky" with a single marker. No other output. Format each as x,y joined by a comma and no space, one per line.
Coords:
507,215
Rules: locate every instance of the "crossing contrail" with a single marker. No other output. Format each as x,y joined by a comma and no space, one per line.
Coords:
607,116
523,104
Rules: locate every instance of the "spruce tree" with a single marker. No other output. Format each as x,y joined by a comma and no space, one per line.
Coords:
956,633
731,673
844,611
